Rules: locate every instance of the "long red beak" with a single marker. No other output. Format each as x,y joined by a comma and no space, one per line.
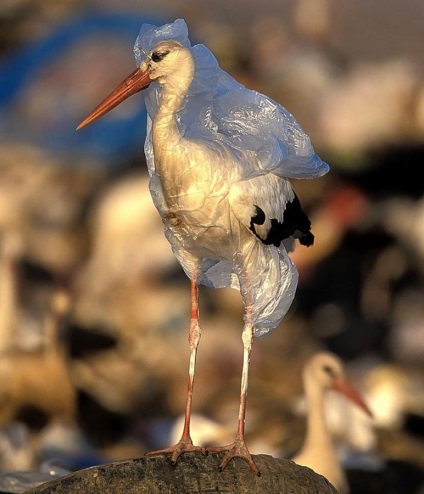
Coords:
135,82
344,387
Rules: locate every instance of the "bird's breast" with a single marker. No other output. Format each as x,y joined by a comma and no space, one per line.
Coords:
200,223
195,182
197,215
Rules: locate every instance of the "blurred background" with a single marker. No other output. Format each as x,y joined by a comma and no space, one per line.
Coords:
94,309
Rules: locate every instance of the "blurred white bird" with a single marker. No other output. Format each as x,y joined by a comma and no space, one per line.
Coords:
324,371
204,430
219,158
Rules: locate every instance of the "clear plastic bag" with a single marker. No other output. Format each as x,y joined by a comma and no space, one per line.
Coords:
264,140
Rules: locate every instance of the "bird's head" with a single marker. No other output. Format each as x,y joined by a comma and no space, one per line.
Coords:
168,62
168,59
326,371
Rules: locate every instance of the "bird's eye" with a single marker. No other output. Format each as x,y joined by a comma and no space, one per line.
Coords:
157,56
328,370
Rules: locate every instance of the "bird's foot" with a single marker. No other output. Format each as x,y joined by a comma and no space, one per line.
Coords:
183,445
237,449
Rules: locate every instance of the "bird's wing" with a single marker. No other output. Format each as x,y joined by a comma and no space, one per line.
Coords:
265,207
254,122
268,206
219,108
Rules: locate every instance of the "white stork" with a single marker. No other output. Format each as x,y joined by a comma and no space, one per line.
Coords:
219,158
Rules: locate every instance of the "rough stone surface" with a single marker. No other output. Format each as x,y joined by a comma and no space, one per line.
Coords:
194,473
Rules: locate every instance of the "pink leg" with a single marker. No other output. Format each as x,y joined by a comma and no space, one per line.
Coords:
239,448
185,443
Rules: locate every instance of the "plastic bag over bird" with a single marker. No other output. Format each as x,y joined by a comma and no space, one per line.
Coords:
217,107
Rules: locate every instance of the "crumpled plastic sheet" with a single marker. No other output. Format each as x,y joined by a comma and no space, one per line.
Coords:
254,129
217,107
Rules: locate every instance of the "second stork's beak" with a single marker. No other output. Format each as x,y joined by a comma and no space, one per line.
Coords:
135,82
344,387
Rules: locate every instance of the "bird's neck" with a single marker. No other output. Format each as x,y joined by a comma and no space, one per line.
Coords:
165,121
166,133
317,433
318,451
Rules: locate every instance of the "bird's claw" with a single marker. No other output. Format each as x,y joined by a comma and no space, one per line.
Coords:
237,449
178,449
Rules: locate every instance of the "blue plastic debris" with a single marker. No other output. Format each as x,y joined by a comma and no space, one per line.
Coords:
45,70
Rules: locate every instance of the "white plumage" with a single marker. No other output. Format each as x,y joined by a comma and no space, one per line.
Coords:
323,372
219,158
